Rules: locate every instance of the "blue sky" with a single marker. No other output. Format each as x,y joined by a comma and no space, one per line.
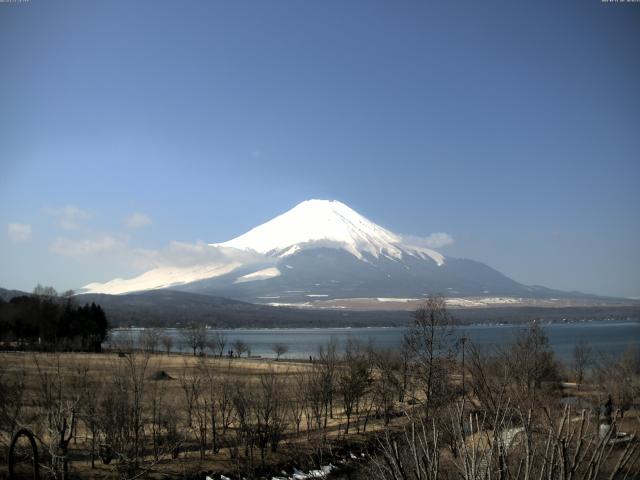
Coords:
512,126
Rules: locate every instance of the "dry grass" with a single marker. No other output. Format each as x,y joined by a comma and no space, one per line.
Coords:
294,449
100,370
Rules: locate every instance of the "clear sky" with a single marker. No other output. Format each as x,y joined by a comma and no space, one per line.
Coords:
512,126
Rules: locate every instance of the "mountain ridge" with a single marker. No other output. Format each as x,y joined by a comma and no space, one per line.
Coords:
323,248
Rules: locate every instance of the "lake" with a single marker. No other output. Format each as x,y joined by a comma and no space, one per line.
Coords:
604,337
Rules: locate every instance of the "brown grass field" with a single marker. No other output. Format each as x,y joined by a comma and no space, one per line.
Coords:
294,449
67,378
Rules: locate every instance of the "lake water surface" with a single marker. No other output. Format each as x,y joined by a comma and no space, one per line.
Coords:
604,337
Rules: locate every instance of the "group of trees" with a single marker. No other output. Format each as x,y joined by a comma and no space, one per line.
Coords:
136,415
125,412
507,421
48,321
198,339
350,388
193,338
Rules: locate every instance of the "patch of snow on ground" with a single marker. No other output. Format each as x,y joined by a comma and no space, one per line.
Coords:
482,302
277,304
401,300
492,300
462,302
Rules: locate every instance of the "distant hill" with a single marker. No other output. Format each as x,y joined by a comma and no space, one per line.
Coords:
175,308
170,308
7,295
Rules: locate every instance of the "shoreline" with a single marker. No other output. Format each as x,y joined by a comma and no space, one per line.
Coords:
608,321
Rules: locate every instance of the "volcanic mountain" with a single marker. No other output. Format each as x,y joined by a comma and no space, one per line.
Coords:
324,250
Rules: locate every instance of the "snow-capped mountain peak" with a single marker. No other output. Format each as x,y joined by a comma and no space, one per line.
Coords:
310,224
325,223
322,249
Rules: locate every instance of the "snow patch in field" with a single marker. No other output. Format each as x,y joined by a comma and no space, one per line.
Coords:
463,302
401,300
482,302
297,305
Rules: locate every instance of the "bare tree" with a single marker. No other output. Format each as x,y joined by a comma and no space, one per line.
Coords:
326,368
194,337
190,383
225,400
270,409
121,412
618,375
90,393
243,407
354,378
406,384
279,349
386,383
316,397
167,343
490,379
202,412
531,362
430,342
45,292
217,341
298,398
260,414
60,403
240,347
149,340
581,359
214,396
517,447
158,407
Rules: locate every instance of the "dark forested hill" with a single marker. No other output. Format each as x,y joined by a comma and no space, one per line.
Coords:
174,308
7,295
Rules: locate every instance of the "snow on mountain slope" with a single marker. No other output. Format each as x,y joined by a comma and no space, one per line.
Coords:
162,277
310,224
326,223
263,274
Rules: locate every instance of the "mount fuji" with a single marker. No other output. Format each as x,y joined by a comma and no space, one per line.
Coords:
321,251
